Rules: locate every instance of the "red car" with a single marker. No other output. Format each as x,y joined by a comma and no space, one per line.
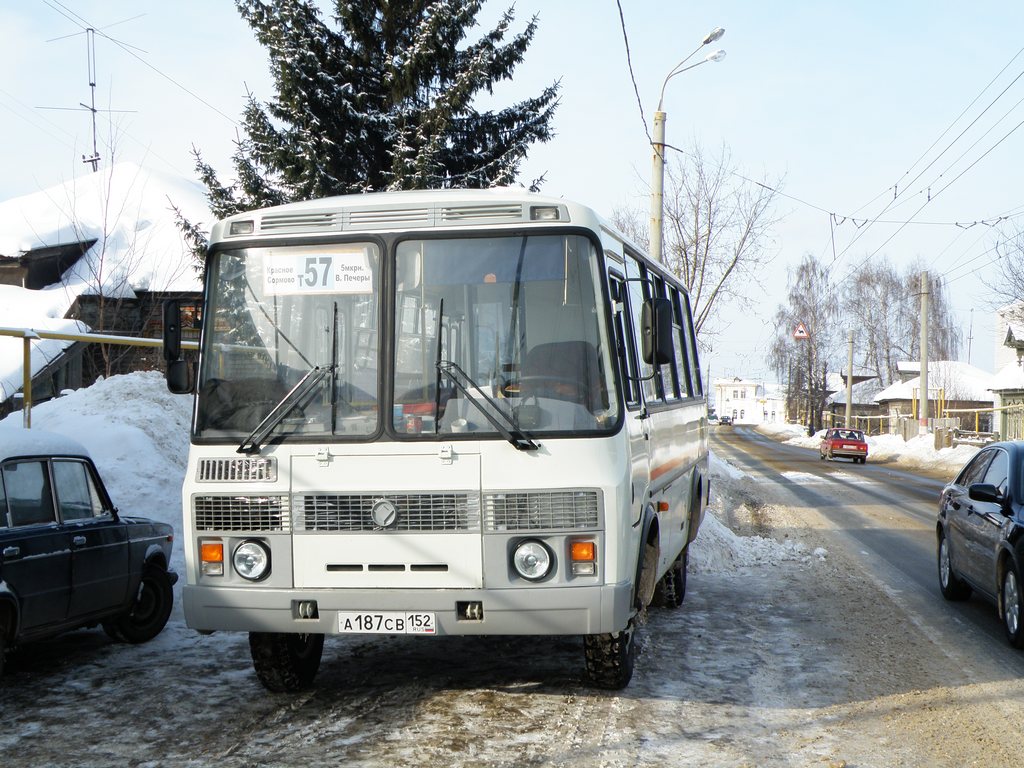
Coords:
848,443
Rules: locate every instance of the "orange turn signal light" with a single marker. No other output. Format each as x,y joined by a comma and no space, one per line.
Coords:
211,552
582,551
663,506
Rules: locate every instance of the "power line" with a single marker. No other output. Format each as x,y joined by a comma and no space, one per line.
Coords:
80,21
632,76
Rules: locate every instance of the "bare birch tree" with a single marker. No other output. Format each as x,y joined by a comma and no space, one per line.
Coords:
804,364
717,231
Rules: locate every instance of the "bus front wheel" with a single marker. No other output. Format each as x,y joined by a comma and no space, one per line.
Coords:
611,657
284,661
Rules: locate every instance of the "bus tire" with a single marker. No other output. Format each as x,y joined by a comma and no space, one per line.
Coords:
611,658
647,580
671,587
285,662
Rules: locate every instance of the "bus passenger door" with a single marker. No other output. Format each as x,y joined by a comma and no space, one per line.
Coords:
626,318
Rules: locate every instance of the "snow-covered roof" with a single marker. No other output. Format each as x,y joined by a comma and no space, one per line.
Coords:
1010,377
862,391
959,381
128,211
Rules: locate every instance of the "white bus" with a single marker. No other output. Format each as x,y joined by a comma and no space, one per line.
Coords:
437,413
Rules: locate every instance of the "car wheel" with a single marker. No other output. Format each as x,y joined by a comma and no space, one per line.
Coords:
951,585
671,587
611,657
150,611
285,662
1013,611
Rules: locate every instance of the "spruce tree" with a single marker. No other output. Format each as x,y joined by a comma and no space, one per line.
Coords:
381,100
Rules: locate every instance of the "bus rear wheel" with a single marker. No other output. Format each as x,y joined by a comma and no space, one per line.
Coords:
671,587
611,658
285,662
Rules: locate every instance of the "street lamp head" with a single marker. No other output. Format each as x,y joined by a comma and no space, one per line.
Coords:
713,35
715,55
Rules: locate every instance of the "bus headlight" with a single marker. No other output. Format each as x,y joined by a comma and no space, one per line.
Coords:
251,560
532,560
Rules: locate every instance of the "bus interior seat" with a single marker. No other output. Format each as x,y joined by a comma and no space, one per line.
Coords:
565,370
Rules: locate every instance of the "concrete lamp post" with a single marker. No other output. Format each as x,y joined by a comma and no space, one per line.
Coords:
658,141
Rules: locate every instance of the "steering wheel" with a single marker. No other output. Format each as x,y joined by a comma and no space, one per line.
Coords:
558,387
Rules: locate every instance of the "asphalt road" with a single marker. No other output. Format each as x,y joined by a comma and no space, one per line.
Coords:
883,516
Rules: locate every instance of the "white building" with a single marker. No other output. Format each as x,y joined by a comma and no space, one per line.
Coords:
749,402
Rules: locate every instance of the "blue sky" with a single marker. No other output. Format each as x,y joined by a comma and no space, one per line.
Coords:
835,100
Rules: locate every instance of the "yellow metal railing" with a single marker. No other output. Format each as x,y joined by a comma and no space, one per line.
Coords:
28,335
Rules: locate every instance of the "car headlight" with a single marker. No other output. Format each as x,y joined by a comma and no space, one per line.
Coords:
251,560
532,560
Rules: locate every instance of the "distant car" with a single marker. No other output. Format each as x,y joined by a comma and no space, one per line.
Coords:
68,558
980,532
713,420
725,420
844,443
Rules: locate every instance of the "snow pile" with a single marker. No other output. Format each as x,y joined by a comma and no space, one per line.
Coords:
718,550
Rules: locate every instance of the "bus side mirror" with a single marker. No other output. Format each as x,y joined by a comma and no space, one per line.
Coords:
172,330
178,380
656,329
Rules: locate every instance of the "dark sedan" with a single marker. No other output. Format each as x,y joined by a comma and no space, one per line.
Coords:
981,534
68,558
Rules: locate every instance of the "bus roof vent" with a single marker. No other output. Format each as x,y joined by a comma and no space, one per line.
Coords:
283,222
385,217
473,214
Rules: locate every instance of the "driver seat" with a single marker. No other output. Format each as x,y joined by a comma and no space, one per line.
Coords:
568,361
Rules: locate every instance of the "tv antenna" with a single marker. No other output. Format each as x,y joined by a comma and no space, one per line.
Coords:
90,42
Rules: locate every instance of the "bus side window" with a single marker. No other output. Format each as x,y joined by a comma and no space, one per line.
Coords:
667,372
691,347
624,340
637,290
679,343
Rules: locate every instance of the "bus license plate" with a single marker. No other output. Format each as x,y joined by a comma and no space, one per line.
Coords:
386,623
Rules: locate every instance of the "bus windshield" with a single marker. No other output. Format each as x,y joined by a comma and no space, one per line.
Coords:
291,347
275,315
521,336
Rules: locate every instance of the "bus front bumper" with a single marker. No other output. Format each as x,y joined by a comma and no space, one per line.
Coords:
523,611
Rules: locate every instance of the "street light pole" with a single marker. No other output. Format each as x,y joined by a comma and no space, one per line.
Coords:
658,142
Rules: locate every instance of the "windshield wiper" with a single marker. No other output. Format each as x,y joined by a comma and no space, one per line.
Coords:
519,439
252,443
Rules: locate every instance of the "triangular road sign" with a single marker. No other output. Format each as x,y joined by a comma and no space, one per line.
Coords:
801,332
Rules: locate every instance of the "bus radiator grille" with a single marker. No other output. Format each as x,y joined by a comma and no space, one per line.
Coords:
414,512
241,513
542,510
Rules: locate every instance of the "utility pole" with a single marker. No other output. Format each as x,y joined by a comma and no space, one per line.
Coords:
924,354
970,337
849,381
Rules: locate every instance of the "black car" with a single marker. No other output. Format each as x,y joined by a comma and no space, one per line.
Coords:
68,558
981,534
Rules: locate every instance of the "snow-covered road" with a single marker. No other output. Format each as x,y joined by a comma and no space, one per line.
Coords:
790,650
